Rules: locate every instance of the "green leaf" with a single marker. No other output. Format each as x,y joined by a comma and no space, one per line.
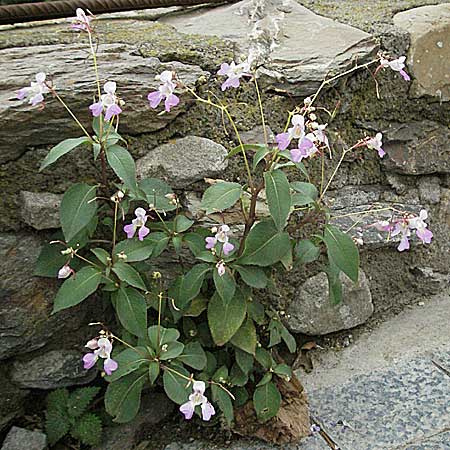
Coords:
195,242
101,254
283,371
221,196
306,252
131,309
88,429
78,207
155,194
288,339
57,400
56,425
50,260
123,165
166,335
189,285
265,245
267,401
76,288
123,397
177,387
153,371
306,193
245,337
253,276
128,361
225,319
220,396
159,240
265,379
171,350
193,356
334,283
80,399
225,285
264,358
129,274
278,197
197,306
244,360
342,251
237,376
260,155
182,223
135,250
238,149
177,242
61,149
256,311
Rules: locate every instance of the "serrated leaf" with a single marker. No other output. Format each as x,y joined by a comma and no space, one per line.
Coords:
77,288
265,245
77,209
225,319
135,250
278,197
177,387
123,397
128,360
267,401
56,426
123,165
88,429
245,337
61,149
253,276
306,252
131,309
129,274
342,251
193,356
221,196
57,400
80,399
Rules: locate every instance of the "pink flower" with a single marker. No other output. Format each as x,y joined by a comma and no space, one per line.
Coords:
138,222
234,72
402,228
102,349
65,271
297,131
198,399
164,92
222,237
397,65
418,223
35,92
306,148
108,102
221,268
375,143
81,22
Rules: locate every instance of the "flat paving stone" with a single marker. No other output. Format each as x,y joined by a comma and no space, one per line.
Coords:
438,442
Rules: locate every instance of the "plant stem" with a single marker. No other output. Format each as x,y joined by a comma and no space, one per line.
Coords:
261,110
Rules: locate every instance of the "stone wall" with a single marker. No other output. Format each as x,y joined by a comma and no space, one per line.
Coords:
296,48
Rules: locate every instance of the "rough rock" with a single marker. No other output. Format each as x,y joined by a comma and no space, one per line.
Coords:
52,370
296,48
26,301
430,190
75,82
311,312
429,51
12,404
40,210
184,161
23,439
417,148
154,409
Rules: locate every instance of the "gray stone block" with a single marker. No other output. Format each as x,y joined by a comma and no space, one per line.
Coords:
22,439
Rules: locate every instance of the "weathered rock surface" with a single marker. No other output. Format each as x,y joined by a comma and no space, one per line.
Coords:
430,190
417,148
75,82
184,161
40,210
429,51
12,400
297,48
154,409
23,439
311,312
52,370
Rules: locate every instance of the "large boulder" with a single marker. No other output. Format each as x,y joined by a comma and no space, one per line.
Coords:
429,52
311,312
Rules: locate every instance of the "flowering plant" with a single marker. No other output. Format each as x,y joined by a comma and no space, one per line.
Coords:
208,336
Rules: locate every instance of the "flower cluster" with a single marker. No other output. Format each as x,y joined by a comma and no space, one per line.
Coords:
308,143
102,348
198,399
397,65
108,102
137,223
81,22
35,92
221,235
234,72
165,92
404,226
